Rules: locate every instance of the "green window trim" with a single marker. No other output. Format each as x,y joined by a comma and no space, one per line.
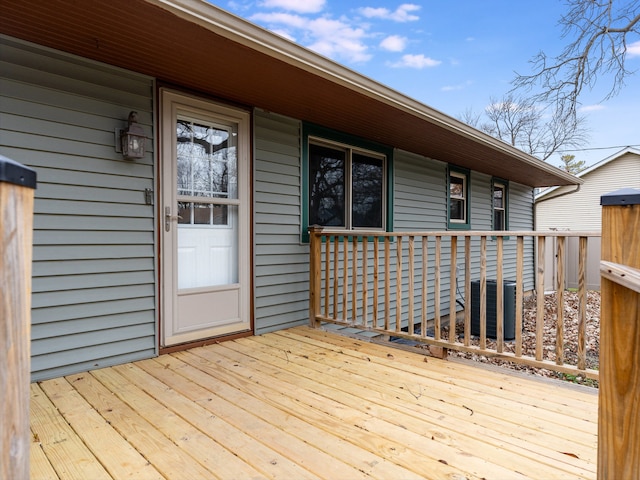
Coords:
332,136
464,199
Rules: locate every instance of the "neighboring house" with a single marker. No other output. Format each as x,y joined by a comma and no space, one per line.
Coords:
250,138
577,208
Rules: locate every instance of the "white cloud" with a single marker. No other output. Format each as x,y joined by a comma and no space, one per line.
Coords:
300,6
394,43
400,14
453,88
633,49
285,19
416,61
592,108
335,38
332,38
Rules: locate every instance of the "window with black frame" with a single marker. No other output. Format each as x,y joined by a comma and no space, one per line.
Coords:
346,186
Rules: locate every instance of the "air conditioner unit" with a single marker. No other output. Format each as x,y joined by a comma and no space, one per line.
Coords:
509,310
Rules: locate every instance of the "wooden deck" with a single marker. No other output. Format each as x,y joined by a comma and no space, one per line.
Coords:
304,403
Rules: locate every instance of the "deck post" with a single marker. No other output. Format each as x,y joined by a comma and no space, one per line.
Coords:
315,244
17,184
619,415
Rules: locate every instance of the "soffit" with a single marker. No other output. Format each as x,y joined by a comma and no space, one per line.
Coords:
180,48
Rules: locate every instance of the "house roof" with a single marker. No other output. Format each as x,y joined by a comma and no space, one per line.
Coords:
195,45
587,171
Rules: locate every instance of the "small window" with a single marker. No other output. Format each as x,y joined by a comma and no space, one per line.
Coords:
499,205
458,199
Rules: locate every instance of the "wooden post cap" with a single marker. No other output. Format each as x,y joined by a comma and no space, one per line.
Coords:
624,196
16,173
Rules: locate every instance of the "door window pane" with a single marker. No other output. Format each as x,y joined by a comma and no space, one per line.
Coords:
191,213
201,214
206,160
184,212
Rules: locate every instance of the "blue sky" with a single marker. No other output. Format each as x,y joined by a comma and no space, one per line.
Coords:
451,55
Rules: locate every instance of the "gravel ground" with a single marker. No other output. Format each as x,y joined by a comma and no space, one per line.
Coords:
571,313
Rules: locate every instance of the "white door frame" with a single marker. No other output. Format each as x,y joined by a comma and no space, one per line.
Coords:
172,104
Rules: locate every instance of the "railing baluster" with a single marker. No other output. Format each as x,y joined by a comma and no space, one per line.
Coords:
499,295
399,285
411,283
376,245
336,275
452,289
560,249
540,310
365,281
483,292
436,299
425,253
354,284
467,290
327,274
387,286
345,285
519,292
582,309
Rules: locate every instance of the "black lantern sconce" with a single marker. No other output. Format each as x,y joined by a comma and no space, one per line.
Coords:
133,139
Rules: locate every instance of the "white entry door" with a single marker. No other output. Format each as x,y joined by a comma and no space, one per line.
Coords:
205,208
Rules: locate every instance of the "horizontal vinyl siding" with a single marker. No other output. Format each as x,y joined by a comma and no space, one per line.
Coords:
281,261
93,298
420,204
420,201
581,211
521,218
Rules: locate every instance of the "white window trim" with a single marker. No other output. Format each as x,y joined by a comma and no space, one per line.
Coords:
464,197
503,209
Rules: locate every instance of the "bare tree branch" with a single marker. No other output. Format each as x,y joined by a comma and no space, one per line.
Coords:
598,31
526,125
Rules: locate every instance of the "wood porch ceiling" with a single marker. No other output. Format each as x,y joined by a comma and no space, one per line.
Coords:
304,403
146,37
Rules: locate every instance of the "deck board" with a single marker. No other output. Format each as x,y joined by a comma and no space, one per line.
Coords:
117,456
439,406
67,453
305,404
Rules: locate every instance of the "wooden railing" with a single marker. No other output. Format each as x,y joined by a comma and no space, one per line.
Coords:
423,286
619,415
17,184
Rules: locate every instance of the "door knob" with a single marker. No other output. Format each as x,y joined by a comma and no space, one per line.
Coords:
168,218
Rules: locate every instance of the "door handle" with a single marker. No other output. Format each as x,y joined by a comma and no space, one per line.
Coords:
168,218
